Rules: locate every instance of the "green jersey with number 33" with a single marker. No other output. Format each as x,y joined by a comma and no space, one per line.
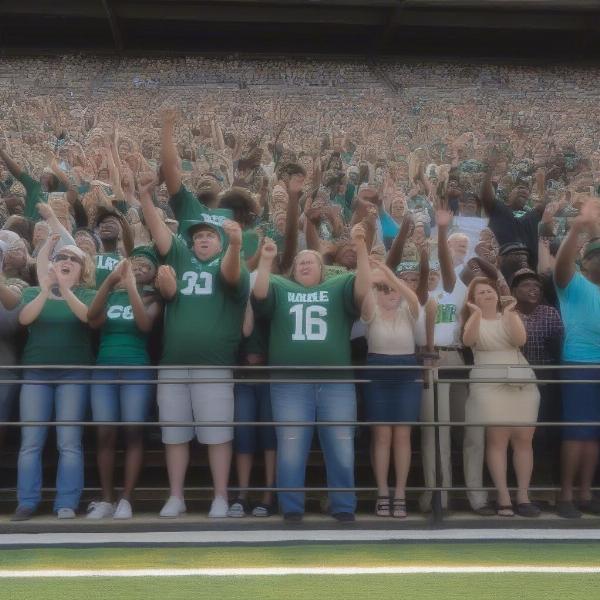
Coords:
203,322
310,325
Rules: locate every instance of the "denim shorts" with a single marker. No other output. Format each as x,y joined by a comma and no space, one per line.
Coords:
122,401
392,395
253,403
580,402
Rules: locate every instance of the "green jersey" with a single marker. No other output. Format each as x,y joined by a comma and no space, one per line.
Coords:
105,265
203,322
310,326
121,341
57,336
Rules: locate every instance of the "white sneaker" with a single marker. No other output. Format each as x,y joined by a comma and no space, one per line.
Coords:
65,513
173,508
100,510
123,510
218,508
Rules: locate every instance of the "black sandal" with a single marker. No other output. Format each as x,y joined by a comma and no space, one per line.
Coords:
382,506
399,508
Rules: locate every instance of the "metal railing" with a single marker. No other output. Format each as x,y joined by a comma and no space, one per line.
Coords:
431,376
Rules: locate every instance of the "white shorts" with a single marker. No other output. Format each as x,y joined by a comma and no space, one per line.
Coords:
180,402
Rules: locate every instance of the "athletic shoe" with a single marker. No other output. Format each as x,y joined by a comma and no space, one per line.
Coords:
23,513
100,510
65,513
173,508
264,510
123,510
238,509
219,508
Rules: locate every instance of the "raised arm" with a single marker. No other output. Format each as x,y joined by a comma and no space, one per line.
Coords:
14,169
166,283
394,257
168,152
405,292
97,309
231,265
443,218
144,315
159,231
267,256
362,283
290,246
488,194
564,268
423,286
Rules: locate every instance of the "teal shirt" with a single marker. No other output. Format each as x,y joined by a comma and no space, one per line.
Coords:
580,310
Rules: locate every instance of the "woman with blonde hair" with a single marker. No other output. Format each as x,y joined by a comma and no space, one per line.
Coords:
496,333
55,314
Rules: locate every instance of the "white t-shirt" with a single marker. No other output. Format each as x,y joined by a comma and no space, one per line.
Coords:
447,322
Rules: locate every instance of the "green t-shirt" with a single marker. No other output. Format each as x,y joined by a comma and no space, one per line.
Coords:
121,341
203,323
33,194
105,265
309,326
57,336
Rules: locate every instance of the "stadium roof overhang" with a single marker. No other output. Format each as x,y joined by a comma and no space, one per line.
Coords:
487,27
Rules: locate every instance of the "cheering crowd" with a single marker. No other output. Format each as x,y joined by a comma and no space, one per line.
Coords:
208,243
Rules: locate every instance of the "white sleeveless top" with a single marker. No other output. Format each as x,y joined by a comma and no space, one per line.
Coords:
392,336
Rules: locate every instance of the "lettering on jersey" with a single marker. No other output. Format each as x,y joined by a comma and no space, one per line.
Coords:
120,312
311,297
197,284
107,263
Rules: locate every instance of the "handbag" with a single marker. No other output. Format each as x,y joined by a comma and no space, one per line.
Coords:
519,373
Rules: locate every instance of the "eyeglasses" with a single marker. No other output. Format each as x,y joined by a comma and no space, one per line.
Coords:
70,257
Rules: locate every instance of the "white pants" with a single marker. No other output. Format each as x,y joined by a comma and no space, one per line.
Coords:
451,400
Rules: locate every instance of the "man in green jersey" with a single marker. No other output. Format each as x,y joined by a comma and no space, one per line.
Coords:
206,290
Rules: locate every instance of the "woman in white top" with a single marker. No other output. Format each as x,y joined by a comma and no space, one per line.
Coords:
496,335
390,312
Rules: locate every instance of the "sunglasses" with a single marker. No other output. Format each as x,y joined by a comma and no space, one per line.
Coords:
381,287
70,257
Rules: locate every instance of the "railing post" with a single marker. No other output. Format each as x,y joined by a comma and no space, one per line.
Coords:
436,497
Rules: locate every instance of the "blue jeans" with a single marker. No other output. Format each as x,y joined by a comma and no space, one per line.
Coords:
122,402
315,402
253,403
9,392
37,403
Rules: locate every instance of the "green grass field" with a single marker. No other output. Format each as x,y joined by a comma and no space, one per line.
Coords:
327,587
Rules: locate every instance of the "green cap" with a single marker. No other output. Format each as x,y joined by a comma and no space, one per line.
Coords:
146,251
208,218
